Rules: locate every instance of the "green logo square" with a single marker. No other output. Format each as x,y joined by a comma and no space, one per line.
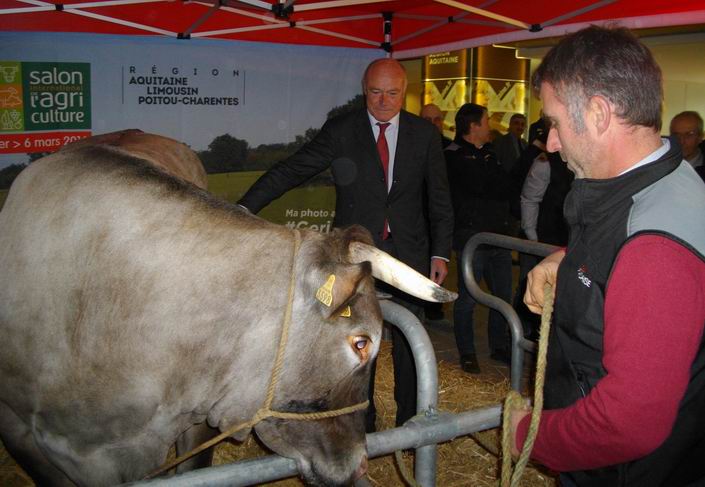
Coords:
56,95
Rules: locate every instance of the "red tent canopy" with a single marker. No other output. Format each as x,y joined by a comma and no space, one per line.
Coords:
407,28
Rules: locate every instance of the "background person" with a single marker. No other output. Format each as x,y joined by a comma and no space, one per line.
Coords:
625,378
538,129
509,146
687,129
542,199
433,114
384,160
480,191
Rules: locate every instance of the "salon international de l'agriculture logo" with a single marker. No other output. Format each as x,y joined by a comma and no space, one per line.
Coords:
43,97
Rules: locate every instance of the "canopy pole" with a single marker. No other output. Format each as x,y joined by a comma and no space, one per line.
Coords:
485,13
335,3
27,10
303,26
441,22
187,33
421,31
387,30
108,3
575,13
257,3
245,13
337,19
125,23
238,30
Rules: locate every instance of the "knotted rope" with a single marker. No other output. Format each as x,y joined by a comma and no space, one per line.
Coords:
265,411
515,401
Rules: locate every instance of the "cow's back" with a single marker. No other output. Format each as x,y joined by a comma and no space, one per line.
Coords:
174,157
120,288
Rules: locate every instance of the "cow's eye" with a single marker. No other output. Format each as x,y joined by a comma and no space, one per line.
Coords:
361,345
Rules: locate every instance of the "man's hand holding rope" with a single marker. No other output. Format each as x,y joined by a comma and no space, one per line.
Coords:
516,416
545,272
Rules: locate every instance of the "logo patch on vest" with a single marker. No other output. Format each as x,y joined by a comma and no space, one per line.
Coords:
582,271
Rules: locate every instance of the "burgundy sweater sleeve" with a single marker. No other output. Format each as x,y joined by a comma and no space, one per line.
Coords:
653,325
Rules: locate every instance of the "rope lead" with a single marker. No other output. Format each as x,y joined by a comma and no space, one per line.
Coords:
515,401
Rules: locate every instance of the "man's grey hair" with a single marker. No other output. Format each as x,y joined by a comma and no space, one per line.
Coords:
608,62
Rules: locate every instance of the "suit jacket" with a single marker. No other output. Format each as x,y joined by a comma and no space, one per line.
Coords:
418,206
507,148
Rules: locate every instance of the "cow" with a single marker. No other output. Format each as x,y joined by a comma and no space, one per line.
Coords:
136,307
172,156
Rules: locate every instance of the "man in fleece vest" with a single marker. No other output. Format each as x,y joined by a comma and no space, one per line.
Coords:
625,382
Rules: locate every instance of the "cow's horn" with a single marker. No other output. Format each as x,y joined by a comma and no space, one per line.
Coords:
388,269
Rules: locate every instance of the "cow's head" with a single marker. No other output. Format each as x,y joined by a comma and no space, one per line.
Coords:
335,335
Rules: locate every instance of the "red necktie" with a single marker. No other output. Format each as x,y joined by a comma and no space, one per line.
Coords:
383,150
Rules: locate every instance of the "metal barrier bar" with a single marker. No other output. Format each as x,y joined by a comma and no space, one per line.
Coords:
426,381
519,343
415,434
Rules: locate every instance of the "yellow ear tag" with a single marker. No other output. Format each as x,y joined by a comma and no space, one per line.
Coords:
346,313
325,292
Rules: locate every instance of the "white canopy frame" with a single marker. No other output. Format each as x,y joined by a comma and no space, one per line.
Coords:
77,9
267,20
577,12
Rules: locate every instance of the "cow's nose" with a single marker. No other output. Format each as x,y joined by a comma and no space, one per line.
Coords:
362,469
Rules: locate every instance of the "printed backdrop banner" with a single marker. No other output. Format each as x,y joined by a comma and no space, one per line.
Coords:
56,88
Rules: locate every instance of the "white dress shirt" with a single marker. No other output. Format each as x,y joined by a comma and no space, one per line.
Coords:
391,134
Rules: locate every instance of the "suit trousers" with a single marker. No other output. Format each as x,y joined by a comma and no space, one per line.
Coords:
402,358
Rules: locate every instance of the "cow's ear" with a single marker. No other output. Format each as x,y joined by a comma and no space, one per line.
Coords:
337,289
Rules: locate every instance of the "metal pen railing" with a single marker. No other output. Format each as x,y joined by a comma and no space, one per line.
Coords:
519,343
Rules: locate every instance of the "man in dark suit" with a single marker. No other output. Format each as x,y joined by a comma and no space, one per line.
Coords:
390,204
510,146
480,192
